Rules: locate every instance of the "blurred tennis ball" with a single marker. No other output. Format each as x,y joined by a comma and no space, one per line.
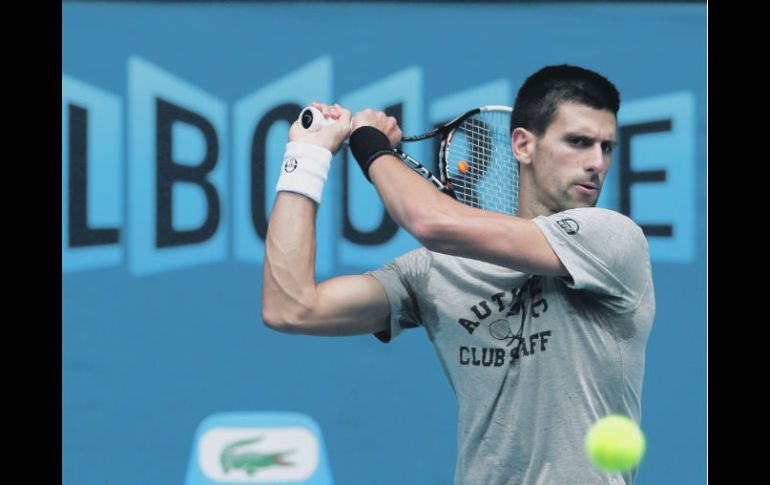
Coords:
615,443
462,166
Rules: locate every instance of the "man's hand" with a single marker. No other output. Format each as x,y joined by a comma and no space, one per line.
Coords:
381,121
328,136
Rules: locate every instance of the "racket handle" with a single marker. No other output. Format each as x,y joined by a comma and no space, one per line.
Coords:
311,119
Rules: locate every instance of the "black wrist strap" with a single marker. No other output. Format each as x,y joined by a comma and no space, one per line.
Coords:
367,144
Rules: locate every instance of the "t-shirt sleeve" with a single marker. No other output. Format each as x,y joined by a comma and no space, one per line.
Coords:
402,279
604,251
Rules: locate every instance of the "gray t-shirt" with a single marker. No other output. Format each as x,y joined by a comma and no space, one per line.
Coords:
534,360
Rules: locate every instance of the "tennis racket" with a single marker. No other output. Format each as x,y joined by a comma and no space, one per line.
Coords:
476,162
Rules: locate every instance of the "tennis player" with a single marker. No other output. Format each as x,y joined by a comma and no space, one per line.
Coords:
540,320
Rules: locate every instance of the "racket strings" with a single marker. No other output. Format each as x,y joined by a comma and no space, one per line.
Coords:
480,163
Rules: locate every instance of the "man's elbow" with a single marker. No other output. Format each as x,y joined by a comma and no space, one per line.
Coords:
431,229
281,320
272,318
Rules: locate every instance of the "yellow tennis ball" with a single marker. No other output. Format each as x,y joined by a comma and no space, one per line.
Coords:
462,166
615,443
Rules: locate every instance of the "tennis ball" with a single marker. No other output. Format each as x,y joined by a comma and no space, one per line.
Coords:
615,443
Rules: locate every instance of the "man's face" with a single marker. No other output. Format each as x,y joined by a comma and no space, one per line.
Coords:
571,158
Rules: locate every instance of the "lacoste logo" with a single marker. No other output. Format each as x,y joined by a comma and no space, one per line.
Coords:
269,455
570,226
290,165
233,457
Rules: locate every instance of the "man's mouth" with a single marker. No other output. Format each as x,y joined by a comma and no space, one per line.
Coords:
587,188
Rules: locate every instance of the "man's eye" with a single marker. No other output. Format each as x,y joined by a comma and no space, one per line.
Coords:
607,147
580,142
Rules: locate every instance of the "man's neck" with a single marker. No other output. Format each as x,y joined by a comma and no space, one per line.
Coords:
530,208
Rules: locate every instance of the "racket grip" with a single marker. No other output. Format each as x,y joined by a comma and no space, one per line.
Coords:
311,119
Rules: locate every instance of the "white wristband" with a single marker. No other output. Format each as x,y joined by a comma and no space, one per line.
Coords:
304,170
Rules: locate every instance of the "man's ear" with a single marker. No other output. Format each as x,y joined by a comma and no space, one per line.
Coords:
523,144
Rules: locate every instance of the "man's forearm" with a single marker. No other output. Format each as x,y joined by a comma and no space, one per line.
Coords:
410,200
288,283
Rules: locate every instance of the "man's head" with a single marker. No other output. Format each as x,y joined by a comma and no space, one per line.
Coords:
563,130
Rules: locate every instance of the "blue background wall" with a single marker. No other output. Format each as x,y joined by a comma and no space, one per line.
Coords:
154,340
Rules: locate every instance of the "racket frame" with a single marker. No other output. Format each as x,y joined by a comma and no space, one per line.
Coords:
447,130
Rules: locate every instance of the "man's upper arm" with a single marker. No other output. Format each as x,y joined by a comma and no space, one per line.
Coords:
345,305
500,239
591,248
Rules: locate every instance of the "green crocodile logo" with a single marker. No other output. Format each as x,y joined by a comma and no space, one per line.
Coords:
233,459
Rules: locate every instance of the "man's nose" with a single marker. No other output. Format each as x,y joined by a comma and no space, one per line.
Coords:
597,160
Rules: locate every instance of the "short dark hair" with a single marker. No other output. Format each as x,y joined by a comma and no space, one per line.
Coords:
542,93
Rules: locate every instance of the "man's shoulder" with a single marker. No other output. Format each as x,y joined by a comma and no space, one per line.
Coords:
415,259
595,212
599,217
